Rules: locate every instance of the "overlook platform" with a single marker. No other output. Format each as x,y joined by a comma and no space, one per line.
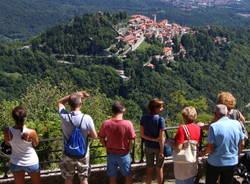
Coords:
98,171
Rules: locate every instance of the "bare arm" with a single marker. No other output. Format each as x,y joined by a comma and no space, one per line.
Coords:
241,117
208,149
177,147
147,137
93,134
30,136
131,144
7,135
35,140
241,146
64,100
161,142
103,141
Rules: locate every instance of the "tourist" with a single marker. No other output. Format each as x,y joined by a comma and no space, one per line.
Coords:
185,172
71,120
117,136
229,100
22,140
225,142
152,127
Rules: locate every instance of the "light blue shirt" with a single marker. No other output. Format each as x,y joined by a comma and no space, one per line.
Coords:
76,117
225,135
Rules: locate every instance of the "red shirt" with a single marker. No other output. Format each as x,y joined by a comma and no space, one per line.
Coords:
117,134
194,131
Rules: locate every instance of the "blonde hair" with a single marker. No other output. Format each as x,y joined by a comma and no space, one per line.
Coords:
227,99
189,114
154,104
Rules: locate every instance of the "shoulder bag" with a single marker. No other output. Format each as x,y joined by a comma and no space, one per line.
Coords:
189,152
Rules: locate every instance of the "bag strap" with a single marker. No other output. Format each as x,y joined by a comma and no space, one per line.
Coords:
81,121
70,120
186,132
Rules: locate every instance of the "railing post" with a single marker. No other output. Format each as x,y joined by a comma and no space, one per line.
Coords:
133,153
142,151
5,169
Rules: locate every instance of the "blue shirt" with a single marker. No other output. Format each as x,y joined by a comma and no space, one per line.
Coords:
152,125
225,135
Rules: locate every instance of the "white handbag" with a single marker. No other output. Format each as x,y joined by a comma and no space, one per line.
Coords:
189,152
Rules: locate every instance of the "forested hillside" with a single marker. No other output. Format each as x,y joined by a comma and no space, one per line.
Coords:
208,68
22,19
89,34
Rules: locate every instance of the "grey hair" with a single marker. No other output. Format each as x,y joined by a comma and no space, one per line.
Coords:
74,100
221,110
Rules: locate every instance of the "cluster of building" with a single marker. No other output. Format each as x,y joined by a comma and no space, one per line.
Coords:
141,27
200,3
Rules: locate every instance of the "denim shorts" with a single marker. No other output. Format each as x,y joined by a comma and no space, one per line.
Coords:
122,161
29,169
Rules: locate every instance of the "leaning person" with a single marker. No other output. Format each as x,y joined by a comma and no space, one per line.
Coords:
117,136
185,172
152,127
229,100
71,120
22,141
225,142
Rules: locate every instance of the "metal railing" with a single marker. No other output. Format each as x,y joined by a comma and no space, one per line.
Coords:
5,169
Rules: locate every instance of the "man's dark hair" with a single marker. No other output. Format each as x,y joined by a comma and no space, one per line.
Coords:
19,114
118,107
74,101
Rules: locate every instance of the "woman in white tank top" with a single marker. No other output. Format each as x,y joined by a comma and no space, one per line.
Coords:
22,140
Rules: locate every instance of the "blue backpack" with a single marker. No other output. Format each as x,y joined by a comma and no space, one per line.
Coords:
76,145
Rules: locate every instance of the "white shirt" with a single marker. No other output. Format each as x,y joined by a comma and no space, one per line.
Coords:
23,153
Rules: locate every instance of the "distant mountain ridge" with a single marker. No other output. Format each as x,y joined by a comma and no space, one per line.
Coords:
22,19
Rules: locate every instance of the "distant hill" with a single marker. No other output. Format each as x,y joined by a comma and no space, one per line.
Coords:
86,35
22,19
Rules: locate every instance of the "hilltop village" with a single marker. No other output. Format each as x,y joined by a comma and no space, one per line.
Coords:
141,27
201,3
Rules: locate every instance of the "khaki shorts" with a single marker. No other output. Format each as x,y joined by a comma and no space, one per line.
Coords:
151,154
69,166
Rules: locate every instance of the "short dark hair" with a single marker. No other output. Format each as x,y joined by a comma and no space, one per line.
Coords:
118,107
154,104
19,114
74,101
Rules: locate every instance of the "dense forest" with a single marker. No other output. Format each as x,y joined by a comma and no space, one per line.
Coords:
22,19
36,77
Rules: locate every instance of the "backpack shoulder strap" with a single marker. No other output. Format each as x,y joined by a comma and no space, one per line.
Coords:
81,121
70,120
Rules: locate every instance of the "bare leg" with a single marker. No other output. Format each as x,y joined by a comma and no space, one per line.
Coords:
112,180
84,181
19,177
129,179
159,175
35,177
68,181
149,175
